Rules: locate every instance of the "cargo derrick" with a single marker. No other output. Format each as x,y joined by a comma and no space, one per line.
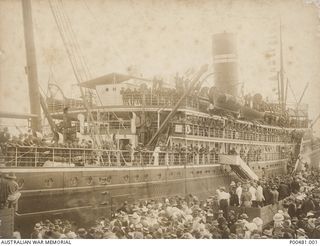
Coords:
192,86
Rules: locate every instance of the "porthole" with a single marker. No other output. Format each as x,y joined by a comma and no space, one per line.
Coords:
137,177
48,182
89,180
104,180
74,181
20,183
126,178
146,176
109,178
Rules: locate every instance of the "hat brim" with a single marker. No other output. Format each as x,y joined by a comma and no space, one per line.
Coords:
10,177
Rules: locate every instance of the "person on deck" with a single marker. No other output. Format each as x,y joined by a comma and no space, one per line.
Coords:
67,131
12,191
3,191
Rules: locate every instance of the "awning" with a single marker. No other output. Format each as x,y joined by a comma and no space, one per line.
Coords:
111,78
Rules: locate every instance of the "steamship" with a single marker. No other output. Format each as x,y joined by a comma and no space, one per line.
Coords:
149,140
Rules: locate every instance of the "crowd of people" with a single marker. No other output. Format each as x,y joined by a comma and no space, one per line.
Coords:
34,151
231,129
36,139
225,215
158,94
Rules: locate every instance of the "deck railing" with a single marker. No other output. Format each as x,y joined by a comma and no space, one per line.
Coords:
197,130
27,156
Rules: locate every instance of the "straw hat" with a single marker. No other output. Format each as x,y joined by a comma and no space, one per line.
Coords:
267,233
301,231
310,214
244,216
82,231
10,176
278,217
258,221
37,226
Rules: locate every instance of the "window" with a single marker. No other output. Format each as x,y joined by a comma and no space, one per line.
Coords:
107,89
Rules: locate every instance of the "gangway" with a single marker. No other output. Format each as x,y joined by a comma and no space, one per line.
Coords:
238,166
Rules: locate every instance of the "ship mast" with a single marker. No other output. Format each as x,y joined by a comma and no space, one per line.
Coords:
31,67
281,75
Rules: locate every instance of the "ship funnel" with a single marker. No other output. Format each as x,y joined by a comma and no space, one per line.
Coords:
225,65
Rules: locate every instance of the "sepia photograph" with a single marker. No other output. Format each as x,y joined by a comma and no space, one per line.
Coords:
159,119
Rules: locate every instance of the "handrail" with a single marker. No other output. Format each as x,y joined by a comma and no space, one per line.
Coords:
52,211
30,156
190,129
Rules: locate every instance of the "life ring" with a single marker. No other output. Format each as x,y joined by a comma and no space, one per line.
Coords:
188,129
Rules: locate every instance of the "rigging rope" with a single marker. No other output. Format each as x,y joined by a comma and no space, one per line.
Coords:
83,63
59,23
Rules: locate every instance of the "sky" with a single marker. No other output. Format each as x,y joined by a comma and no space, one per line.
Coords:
162,38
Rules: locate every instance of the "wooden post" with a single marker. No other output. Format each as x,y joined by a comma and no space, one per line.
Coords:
16,158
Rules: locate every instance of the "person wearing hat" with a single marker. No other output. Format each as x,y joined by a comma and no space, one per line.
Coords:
246,197
239,191
259,222
67,127
224,201
307,205
267,233
316,232
12,191
301,234
278,219
238,228
3,191
292,208
37,232
56,234
295,185
234,199
253,191
259,194
82,233
68,233
274,195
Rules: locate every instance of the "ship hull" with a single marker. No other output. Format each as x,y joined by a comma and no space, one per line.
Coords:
82,194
